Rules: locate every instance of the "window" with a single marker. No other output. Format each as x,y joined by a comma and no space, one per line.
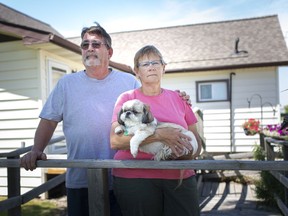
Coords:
210,91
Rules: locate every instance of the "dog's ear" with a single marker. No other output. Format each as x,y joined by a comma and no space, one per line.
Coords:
147,115
119,119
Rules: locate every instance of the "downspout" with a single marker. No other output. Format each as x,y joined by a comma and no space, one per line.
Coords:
232,147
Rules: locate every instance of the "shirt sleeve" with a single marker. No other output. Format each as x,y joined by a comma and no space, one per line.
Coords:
53,108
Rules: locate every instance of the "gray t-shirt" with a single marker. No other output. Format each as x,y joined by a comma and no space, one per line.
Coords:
85,105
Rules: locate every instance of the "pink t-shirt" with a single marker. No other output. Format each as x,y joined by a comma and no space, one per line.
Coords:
165,107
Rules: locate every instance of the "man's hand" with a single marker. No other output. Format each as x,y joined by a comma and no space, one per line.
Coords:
184,97
28,161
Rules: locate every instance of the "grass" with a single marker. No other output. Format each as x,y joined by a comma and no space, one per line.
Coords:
37,207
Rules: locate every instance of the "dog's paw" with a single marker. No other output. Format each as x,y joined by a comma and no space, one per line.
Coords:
119,130
134,151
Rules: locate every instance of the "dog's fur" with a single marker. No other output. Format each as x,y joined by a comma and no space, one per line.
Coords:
136,119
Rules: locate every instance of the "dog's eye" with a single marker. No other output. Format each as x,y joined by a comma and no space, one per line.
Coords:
135,112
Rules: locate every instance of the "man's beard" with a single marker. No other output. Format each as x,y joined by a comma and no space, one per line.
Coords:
91,60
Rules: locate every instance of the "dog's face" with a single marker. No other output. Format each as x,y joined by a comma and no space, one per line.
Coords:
134,112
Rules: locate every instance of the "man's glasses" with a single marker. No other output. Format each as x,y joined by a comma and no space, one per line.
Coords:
95,44
155,63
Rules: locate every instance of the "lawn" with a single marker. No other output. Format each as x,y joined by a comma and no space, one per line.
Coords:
39,207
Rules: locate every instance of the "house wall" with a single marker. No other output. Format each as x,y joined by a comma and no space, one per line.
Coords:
19,95
23,91
19,102
216,115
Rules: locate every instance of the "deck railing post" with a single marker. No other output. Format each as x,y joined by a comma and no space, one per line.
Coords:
98,192
13,178
269,151
285,156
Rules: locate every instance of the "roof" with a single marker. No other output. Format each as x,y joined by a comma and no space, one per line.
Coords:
13,16
209,46
15,25
197,47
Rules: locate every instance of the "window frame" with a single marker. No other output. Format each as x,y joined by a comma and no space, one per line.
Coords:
198,91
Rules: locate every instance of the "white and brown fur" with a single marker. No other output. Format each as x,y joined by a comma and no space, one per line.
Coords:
136,119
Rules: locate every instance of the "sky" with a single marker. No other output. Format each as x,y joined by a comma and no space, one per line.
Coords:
69,17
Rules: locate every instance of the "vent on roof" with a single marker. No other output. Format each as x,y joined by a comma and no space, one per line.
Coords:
236,50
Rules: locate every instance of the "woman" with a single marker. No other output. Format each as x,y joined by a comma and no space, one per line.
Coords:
154,192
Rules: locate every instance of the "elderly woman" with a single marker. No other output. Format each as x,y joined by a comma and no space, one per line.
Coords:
154,192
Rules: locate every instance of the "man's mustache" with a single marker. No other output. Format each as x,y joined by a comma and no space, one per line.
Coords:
91,54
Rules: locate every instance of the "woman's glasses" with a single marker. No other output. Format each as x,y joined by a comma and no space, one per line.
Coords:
155,63
95,44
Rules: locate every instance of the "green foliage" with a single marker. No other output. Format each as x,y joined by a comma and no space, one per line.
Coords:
267,185
286,109
258,153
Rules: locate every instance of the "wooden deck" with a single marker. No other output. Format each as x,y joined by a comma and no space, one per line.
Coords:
230,198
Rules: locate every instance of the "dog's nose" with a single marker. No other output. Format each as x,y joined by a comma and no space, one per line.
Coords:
127,114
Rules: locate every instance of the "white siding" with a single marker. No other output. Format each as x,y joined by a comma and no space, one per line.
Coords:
216,115
19,94
19,101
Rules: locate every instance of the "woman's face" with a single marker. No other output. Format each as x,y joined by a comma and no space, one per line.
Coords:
150,69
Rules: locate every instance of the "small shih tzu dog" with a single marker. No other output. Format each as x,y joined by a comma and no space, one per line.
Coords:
135,119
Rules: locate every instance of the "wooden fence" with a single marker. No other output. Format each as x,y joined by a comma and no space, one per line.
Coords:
281,176
15,200
97,175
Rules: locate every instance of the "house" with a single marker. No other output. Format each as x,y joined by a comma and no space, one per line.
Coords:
221,65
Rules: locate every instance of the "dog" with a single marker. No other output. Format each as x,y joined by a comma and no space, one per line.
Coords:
136,119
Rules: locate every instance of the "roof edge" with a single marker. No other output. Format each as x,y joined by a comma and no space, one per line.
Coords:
196,24
62,42
227,67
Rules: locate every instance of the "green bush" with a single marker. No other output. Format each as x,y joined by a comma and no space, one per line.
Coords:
267,185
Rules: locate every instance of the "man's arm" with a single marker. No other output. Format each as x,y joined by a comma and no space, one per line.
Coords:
42,137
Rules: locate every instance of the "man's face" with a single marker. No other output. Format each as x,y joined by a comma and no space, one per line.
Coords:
95,51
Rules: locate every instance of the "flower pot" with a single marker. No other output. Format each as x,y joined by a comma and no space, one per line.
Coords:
249,132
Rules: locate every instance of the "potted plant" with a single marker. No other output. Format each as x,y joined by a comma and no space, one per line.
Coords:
251,127
276,131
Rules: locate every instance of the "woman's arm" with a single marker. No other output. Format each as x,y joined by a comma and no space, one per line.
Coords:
119,141
193,129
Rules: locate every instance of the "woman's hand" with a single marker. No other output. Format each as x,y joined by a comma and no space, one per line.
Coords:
173,138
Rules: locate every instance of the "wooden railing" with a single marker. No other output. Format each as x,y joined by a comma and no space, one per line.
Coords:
15,200
97,175
282,177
